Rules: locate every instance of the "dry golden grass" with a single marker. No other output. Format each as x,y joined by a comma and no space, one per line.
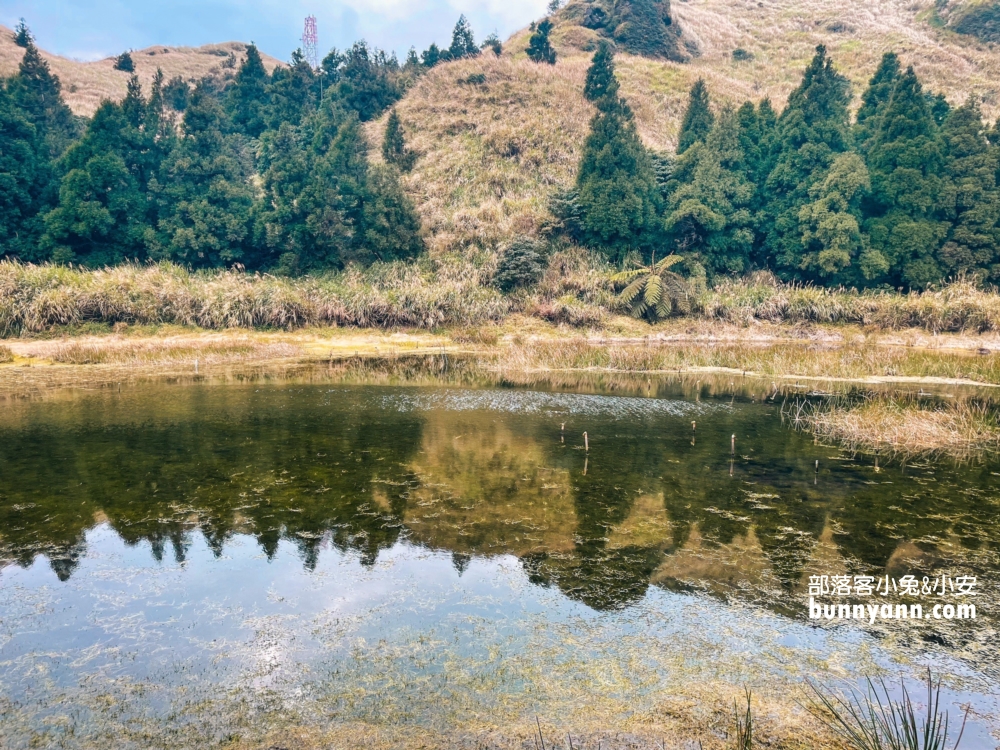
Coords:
86,84
960,430
170,350
864,362
6,355
490,155
34,299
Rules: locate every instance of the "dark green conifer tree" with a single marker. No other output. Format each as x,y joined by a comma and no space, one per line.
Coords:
323,206
157,119
492,42
22,34
619,198
101,216
125,63
973,243
709,219
874,99
176,94
431,56
834,248
601,83
38,94
390,221
368,82
811,131
698,118
939,107
539,48
463,44
134,104
22,179
290,95
394,149
203,192
906,164
247,100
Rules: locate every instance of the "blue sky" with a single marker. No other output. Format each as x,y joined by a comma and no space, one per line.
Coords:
92,29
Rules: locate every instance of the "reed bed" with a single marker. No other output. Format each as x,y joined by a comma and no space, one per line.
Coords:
957,307
36,298
449,291
961,430
851,361
167,351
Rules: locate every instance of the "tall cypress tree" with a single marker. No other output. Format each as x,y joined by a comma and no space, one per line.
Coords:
906,164
290,95
710,218
368,81
22,180
601,83
394,149
203,191
834,248
101,216
811,131
973,244
463,44
134,103
698,118
323,205
38,93
22,34
390,222
874,99
247,100
619,198
539,48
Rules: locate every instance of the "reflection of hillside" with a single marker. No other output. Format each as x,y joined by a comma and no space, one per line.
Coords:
348,466
724,569
485,490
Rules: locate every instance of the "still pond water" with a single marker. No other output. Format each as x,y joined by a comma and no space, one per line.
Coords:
190,563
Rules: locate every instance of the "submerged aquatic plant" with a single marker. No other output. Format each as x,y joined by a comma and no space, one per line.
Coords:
874,721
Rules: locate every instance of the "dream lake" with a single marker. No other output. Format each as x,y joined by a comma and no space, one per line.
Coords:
197,563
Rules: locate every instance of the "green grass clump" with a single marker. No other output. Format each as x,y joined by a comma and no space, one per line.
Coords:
874,721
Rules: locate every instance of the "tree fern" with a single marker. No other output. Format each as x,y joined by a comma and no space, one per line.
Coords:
654,291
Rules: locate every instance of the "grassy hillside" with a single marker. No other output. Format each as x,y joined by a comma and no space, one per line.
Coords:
491,153
86,84
492,150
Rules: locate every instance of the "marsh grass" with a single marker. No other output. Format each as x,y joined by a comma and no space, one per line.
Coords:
124,352
903,425
34,298
866,360
874,721
448,291
959,306
6,355
744,724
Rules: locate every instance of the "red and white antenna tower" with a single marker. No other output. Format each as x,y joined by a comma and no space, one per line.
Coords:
310,42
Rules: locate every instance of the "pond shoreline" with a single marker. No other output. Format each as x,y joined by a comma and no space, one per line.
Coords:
770,360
